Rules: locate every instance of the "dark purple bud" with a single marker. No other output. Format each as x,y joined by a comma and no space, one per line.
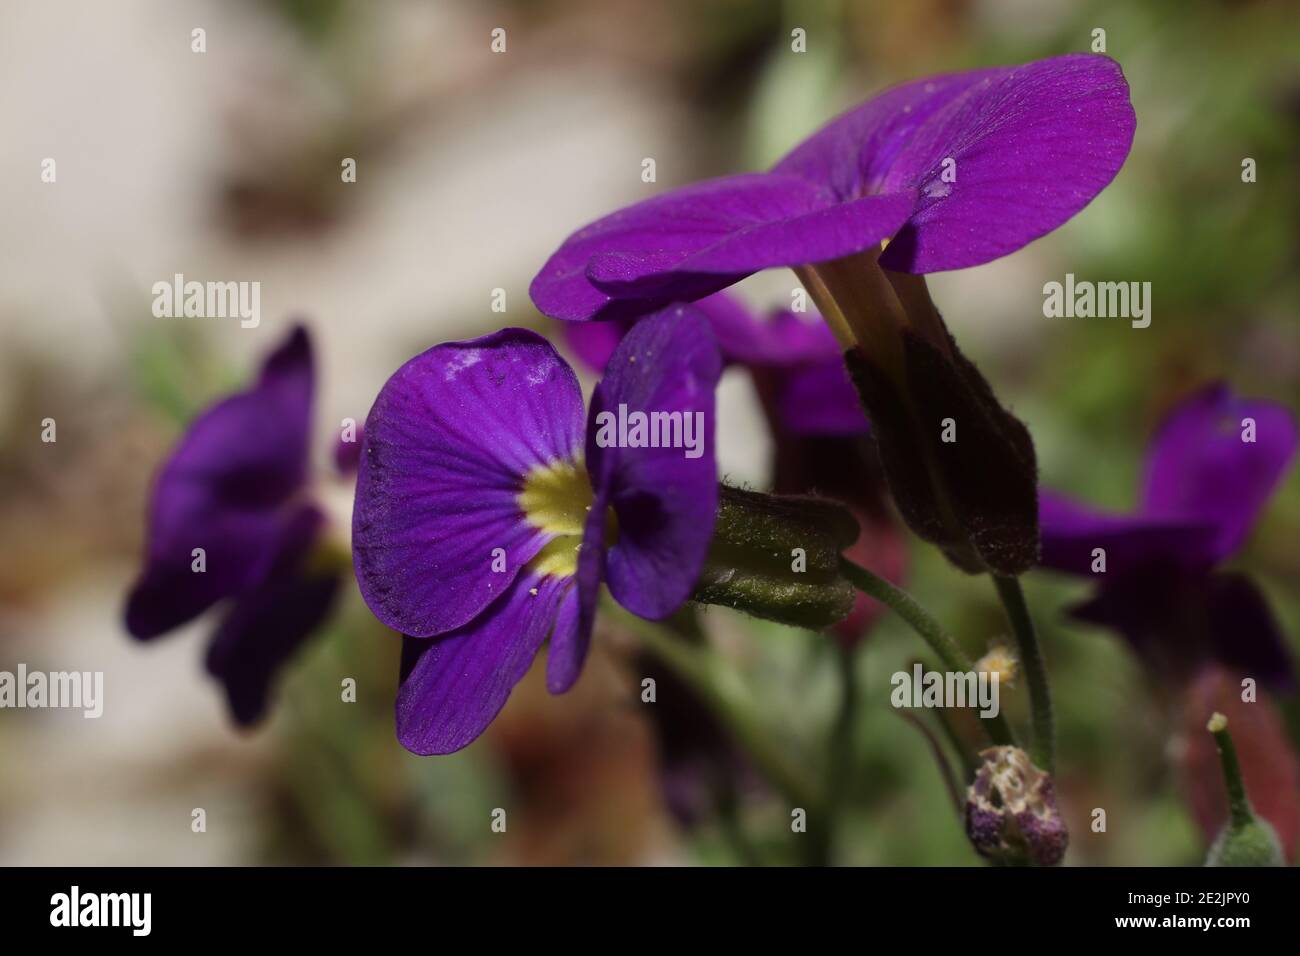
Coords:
961,468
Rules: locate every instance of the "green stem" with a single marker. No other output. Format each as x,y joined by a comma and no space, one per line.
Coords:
955,793
732,826
969,760
1043,750
720,689
950,654
1238,802
839,762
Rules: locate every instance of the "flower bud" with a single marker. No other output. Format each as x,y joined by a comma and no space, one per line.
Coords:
1011,811
778,557
961,468
1246,839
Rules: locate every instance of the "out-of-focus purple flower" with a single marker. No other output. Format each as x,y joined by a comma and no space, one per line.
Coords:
487,516
229,519
347,451
954,170
700,766
1211,469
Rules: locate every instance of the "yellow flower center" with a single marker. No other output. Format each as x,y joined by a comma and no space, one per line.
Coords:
555,499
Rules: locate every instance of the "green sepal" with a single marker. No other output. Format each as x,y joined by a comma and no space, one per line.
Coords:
778,557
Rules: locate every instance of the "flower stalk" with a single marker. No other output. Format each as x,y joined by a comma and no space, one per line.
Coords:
930,630
1043,749
1246,839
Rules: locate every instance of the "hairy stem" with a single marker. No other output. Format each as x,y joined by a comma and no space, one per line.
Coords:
1043,749
950,654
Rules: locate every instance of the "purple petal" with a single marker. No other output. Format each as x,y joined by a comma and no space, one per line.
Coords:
1199,468
220,491
742,337
594,342
448,444
454,685
1031,146
577,617
1160,613
1245,633
852,154
798,358
693,241
819,399
784,339
271,620
1070,531
1177,620
573,626
665,502
347,454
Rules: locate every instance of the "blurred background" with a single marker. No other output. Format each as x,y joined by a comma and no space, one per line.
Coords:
471,168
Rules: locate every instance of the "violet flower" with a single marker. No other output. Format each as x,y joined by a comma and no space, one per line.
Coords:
229,520
954,170
942,173
1204,488
486,516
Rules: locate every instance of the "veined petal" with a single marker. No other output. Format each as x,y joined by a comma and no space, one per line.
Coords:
577,616
1070,531
221,490
453,686
449,444
665,501
1200,468
852,154
693,241
272,619
818,235
1029,147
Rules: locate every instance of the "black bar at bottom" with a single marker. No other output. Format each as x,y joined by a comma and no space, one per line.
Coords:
440,906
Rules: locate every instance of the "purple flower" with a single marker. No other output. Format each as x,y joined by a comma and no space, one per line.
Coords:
952,170
1211,469
347,452
229,520
487,516
942,173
